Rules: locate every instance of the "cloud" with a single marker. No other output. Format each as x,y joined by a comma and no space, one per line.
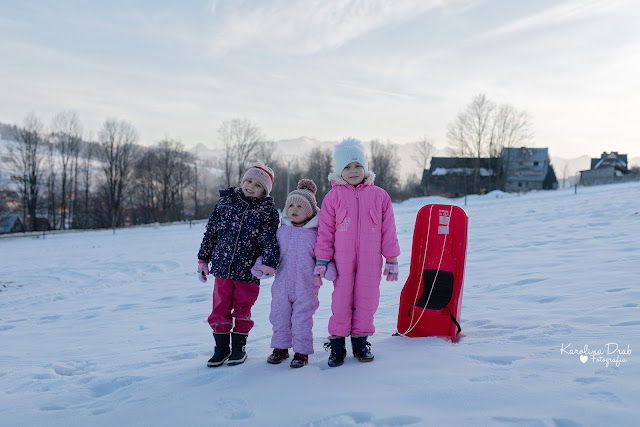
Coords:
563,13
308,27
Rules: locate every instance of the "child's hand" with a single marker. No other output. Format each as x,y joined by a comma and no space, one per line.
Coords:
264,270
331,272
319,273
203,270
254,270
391,269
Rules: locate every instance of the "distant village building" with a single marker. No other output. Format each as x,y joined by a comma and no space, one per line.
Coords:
456,176
11,224
520,169
42,224
609,168
527,169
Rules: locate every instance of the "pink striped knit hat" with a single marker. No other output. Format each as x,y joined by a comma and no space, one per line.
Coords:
305,196
261,173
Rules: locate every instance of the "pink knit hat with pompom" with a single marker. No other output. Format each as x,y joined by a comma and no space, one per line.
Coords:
305,196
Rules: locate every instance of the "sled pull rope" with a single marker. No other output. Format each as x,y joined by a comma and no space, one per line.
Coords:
424,259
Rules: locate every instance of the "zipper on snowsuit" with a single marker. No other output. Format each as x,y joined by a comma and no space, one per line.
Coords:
357,226
235,248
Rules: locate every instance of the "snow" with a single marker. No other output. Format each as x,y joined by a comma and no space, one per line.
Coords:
103,329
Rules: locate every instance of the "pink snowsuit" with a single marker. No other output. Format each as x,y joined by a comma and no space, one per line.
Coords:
357,228
294,297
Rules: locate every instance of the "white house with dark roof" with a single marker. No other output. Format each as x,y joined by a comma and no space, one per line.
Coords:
609,168
527,169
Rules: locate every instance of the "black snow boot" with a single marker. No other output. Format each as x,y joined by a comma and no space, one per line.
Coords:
338,351
361,349
222,351
238,355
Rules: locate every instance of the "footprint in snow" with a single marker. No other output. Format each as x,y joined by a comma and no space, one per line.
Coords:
631,323
519,421
107,386
367,418
235,409
497,360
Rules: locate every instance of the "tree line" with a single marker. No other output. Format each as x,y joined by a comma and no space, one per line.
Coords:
77,183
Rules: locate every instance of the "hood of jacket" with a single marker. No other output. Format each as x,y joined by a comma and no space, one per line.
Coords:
313,222
336,179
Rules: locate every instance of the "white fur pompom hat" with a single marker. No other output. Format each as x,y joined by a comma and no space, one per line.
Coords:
349,150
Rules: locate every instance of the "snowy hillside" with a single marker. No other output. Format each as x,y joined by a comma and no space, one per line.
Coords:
102,329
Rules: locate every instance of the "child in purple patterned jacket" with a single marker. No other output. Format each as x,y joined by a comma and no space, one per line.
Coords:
294,296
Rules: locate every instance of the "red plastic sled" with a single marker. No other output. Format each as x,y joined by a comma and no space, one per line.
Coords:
431,299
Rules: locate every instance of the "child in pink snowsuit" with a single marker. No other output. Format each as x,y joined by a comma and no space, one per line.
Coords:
356,229
294,294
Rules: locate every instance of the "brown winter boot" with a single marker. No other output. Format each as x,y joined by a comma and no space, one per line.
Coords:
278,356
299,360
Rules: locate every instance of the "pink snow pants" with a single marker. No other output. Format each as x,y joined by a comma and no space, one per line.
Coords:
355,298
232,299
292,308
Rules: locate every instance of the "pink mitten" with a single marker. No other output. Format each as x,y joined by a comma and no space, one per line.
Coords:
254,270
266,271
319,273
391,269
331,273
203,270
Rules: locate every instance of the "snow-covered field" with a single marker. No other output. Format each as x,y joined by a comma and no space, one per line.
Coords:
103,329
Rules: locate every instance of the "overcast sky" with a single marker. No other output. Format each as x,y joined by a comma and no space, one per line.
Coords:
394,70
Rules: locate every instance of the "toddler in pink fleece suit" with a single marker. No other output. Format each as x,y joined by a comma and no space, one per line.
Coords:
294,294
356,229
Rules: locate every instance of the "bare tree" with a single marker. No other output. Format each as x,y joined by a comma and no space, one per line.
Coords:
25,163
117,139
319,164
183,180
167,157
51,193
86,171
384,162
66,136
198,176
423,153
469,134
486,129
422,157
146,188
512,128
265,152
240,138
4,211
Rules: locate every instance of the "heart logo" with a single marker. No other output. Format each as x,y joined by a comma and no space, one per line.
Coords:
584,359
